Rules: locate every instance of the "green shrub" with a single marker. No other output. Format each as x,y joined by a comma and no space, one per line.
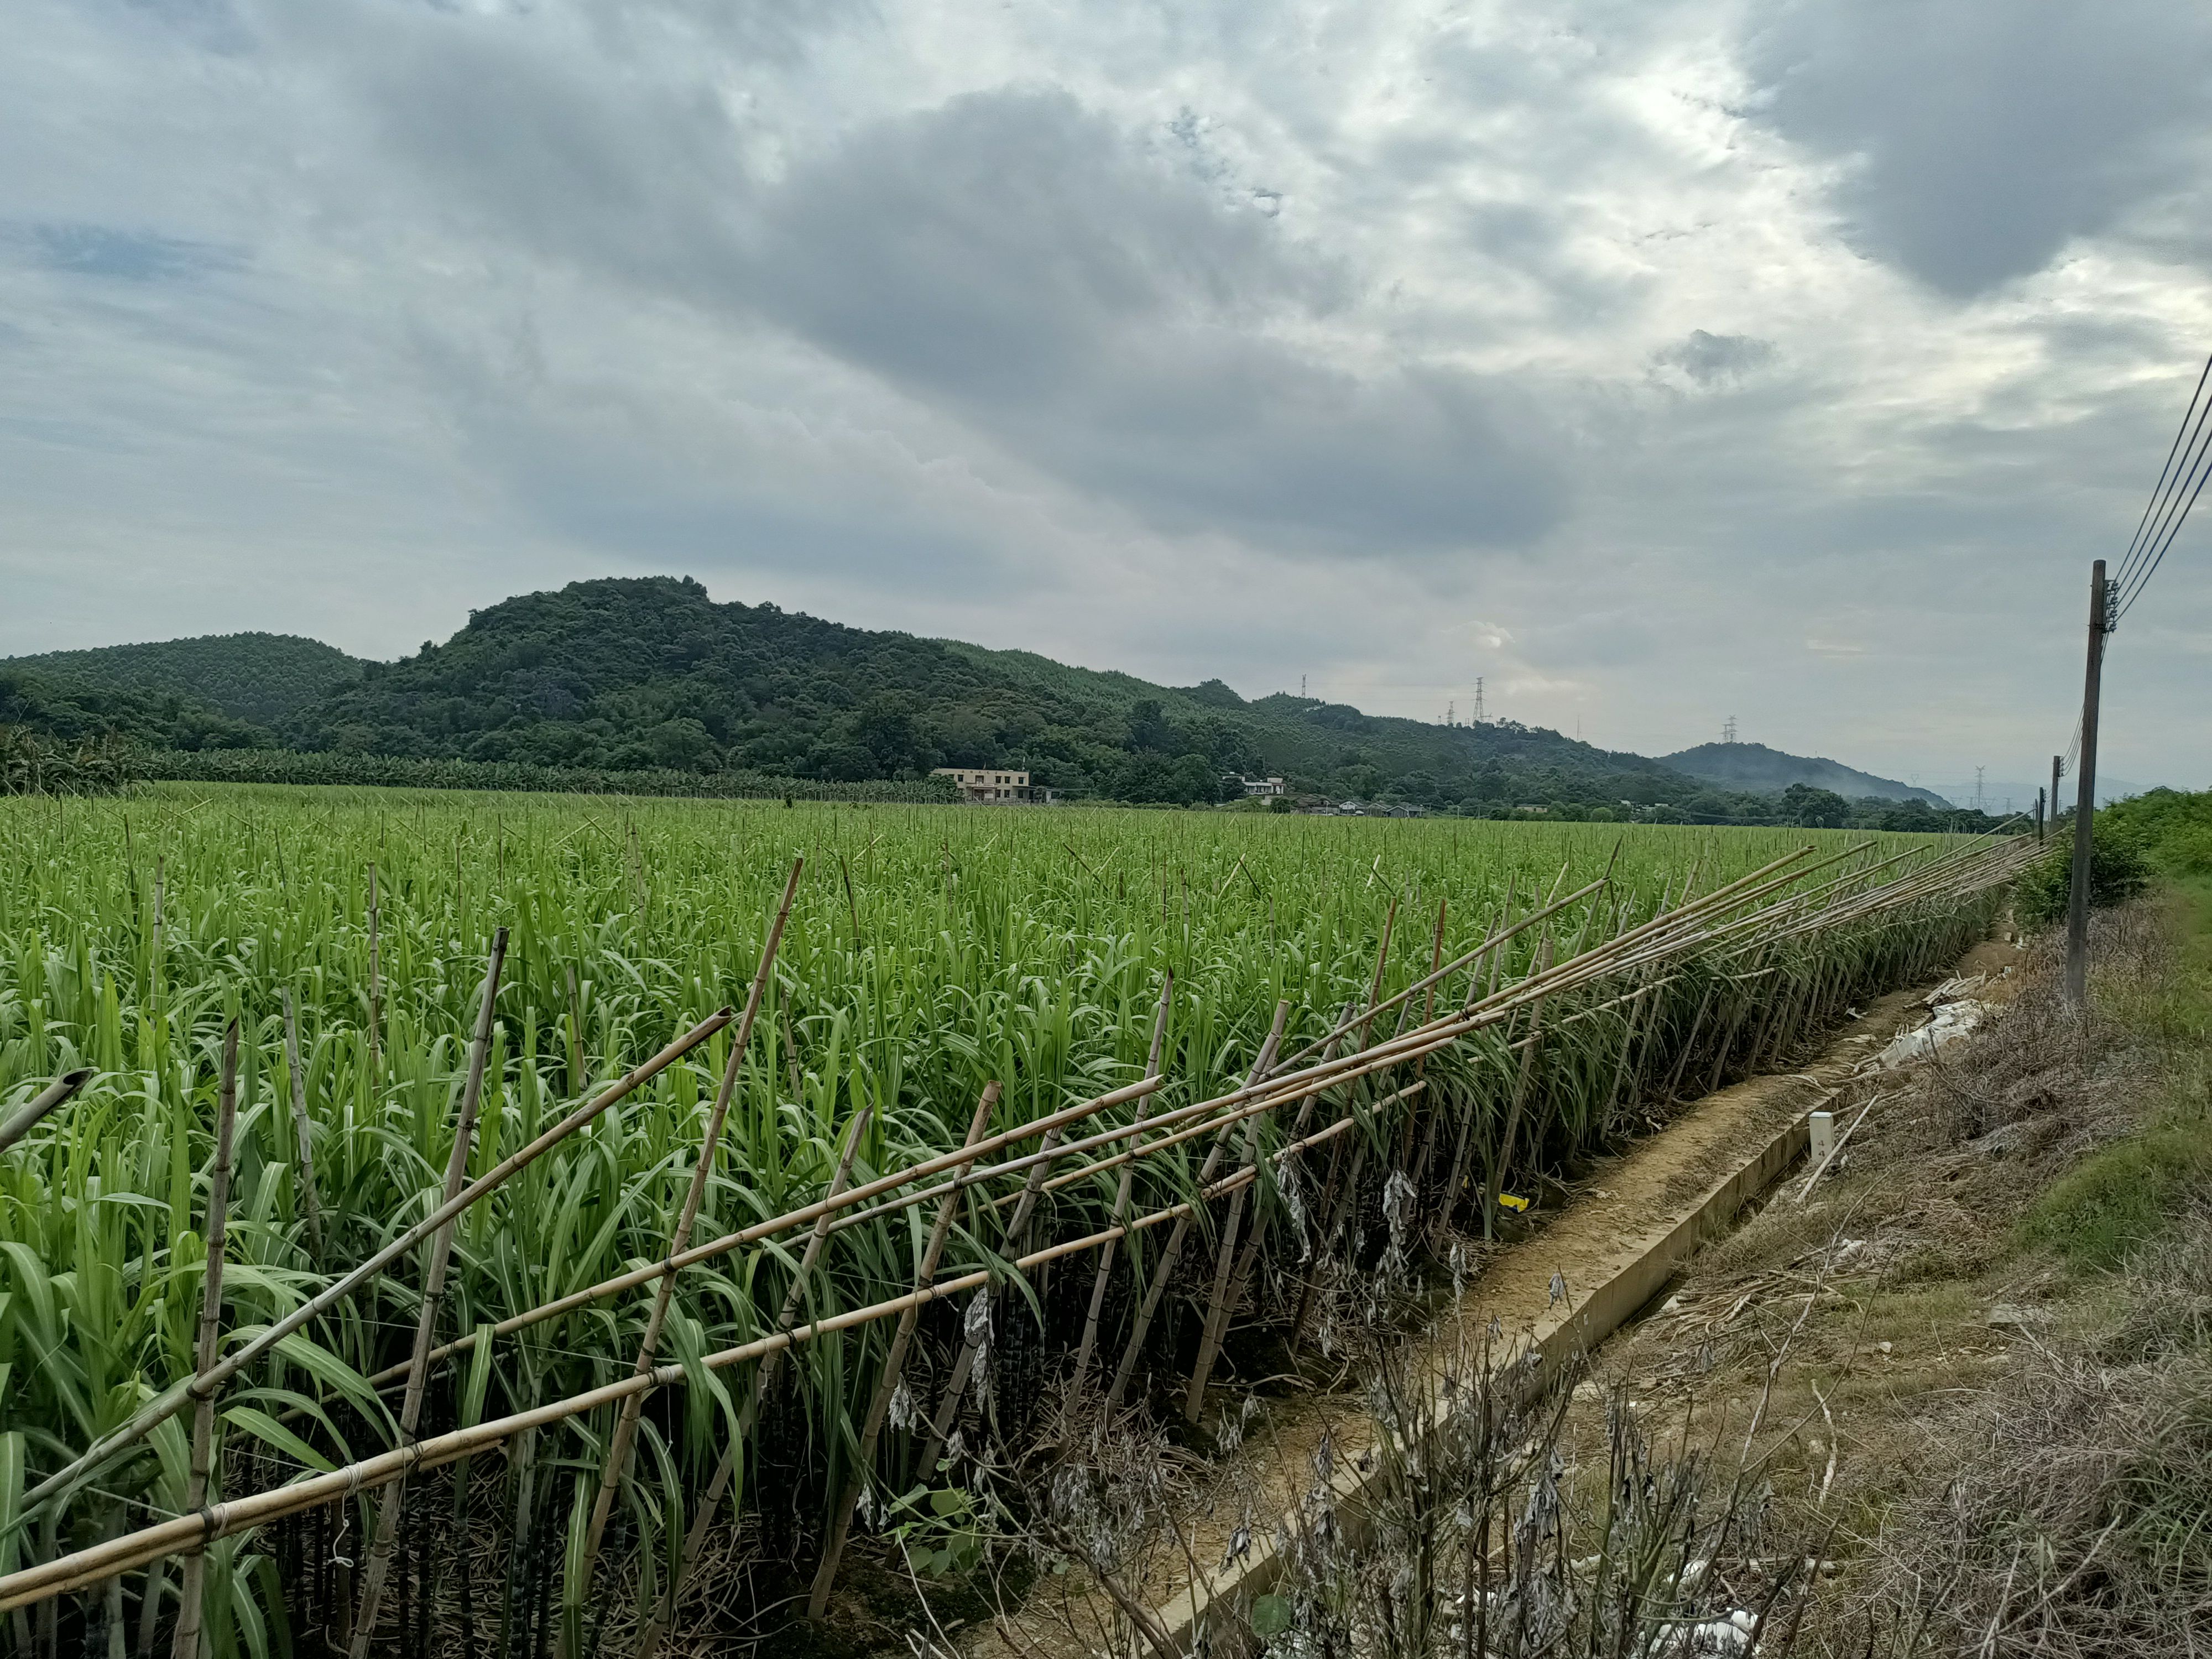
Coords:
2118,870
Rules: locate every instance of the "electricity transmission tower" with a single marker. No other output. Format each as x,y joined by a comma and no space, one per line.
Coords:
1728,730
1478,700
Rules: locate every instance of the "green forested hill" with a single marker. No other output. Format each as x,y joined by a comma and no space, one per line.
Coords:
651,671
614,683
72,713
262,677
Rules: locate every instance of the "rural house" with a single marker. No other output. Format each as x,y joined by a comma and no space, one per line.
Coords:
988,784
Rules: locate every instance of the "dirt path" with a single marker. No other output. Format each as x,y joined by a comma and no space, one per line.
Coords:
1627,1206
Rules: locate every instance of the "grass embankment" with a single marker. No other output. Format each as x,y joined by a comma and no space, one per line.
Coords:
1984,1345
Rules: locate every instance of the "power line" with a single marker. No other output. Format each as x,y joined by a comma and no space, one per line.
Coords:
2173,449
2171,498
2127,600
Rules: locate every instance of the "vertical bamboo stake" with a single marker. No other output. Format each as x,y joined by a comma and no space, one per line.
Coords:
1745,994
652,1629
1461,1145
309,1207
1260,1066
1332,1212
434,1289
186,1644
375,987
575,1035
1120,1200
1217,1316
841,1517
1428,1013
618,1450
971,1342
154,962
1521,1086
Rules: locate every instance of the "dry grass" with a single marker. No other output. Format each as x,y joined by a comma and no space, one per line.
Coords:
1995,1415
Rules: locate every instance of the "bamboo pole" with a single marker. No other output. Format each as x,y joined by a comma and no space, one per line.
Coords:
1284,1087
67,1573
823,1209
617,1462
971,1341
1121,1196
1158,1288
653,1629
1225,1253
172,1400
1521,1085
1428,1013
310,1209
1664,934
28,1116
187,1642
841,1517
376,984
434,1291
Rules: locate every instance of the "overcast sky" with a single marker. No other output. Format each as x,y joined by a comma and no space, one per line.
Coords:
1656,361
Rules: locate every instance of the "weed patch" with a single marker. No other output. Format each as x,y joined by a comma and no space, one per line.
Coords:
2123,1198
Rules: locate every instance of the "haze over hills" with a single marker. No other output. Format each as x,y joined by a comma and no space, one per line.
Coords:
1754,766
627,674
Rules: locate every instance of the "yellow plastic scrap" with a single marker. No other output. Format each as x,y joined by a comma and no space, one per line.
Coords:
1512,1202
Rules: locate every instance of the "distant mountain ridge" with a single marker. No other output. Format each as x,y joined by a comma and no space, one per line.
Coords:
623,676
1755,768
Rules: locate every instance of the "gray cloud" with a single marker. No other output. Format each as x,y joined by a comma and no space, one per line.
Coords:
1391,346
1980,138
1716,359
1123,324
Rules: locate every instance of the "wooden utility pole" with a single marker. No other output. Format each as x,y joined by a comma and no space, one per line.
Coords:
2085,803
2038,815
2058,766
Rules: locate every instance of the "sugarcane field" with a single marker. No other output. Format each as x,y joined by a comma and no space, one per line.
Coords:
484,1224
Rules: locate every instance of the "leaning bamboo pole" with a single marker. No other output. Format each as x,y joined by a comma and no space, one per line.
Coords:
191,1592
434,1291
653,1628
172,1400
35,1111
1158,1288
889,1381
1282,1087
1123,1194
66,1573
616,1464
310,1208
820,1209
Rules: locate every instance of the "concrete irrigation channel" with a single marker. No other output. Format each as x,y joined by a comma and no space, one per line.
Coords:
1612,1244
